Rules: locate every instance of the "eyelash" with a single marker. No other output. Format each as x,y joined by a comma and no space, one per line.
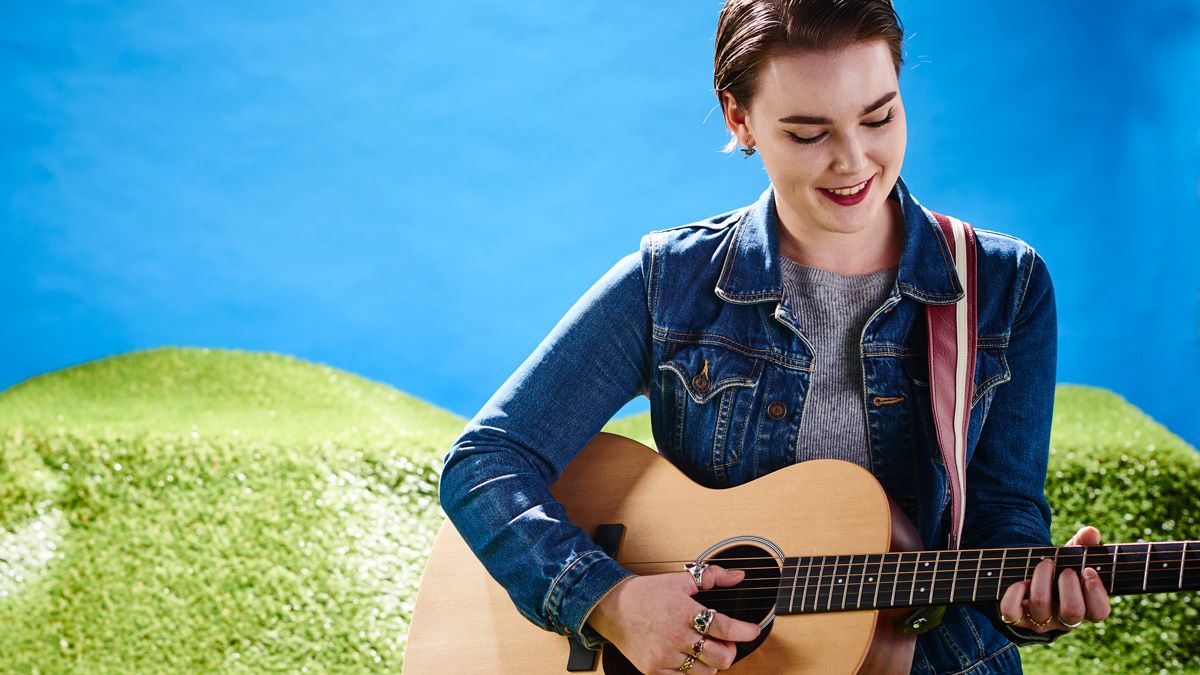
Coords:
815,139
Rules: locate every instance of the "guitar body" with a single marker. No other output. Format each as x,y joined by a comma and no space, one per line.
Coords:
465,621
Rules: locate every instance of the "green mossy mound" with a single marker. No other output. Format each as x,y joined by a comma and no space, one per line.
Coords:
195,509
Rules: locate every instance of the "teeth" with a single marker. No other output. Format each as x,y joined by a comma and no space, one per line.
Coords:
851,191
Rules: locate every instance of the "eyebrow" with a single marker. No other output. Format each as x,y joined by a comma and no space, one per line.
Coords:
812,119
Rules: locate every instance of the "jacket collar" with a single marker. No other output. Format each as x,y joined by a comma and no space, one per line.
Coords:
751,272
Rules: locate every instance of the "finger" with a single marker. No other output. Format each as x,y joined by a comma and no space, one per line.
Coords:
718,653
697,667
715,575
1010,604
1095,595
728,628
1071,605
1041,596
1086,536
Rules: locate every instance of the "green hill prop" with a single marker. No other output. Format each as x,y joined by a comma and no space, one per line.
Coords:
194,509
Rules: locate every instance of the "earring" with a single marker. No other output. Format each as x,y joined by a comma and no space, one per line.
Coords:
747,151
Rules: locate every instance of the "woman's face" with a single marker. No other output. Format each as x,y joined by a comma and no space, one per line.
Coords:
828,120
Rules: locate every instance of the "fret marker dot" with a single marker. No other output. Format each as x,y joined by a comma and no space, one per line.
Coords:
870,578
1164,564
927,565
922,589
839,581
989,574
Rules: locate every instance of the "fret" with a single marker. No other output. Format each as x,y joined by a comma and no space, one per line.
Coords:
837,595
1070,557
902,591
1112,573
808,570
814,583
991,563
922,587
825,583
1161,568
795,580
876,580
1182,563
1190,578
855,578
941,587
1099,557
887,577
1132,568
966,576
1036,555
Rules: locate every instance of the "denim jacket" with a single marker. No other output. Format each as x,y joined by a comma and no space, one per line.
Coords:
711,291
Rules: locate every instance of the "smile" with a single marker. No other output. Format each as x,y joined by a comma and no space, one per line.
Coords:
850,195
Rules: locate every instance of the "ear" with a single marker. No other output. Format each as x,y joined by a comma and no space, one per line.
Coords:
736,119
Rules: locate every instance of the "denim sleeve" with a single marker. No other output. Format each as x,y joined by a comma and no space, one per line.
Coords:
1006,479
495,481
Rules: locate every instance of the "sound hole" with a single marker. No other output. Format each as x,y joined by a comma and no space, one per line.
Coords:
751,600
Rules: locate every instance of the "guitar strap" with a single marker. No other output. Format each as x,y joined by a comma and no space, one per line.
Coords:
952,339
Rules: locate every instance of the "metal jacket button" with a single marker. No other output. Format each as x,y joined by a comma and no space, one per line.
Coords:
776,410
700,382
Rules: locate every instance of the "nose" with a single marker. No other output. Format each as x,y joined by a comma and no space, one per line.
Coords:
849,155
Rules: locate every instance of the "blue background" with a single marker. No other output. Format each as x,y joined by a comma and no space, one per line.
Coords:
418,192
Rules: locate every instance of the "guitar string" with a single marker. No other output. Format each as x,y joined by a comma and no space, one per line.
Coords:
944,565
815,601
908,578
1074,551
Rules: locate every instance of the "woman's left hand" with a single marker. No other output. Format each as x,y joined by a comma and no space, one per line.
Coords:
1030,603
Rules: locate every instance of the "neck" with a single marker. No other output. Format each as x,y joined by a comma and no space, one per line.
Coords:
849,253
911,579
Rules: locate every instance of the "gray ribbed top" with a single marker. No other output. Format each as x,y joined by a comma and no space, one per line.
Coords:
832,310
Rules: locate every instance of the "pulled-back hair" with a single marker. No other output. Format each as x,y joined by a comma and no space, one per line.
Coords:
750,31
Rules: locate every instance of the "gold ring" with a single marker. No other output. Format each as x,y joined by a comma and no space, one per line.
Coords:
687,664
1037,623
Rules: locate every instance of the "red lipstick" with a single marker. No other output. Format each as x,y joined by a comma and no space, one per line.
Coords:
848,200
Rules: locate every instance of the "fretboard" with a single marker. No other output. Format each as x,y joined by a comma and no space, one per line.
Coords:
870,581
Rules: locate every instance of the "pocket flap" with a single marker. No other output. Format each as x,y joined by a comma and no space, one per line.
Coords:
705,370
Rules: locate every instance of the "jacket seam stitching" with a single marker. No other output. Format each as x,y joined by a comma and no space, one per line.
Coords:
663,334
984,661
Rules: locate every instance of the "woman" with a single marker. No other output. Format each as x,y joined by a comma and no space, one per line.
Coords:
772,334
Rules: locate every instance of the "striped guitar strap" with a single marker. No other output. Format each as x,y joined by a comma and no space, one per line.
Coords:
952,338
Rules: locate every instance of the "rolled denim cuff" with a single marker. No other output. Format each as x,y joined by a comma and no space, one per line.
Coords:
577,590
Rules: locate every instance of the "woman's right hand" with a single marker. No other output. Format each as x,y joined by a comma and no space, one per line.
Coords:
650,619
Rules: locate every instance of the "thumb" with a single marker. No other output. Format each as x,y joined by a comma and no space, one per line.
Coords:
1086,536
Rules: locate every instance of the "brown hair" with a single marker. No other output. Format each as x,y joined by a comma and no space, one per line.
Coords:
750,31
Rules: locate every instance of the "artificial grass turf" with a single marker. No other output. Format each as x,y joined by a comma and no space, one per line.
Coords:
194,510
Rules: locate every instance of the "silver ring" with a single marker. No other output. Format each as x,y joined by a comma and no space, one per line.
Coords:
703,621
1071,625
696,569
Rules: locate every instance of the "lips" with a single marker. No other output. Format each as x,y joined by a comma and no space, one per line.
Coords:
848,200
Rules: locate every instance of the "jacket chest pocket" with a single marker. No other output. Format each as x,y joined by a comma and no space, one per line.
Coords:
991,370
705,395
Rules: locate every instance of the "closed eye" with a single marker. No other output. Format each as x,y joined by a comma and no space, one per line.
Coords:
815,139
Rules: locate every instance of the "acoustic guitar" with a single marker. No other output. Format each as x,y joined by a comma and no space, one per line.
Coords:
832,568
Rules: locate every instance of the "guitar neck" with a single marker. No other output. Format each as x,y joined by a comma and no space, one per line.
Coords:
918,578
